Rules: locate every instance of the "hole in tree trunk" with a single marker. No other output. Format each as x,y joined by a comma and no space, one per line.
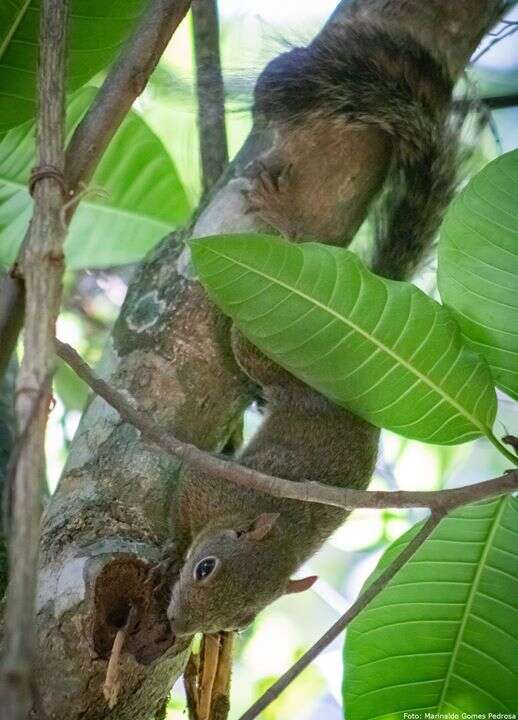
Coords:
121,585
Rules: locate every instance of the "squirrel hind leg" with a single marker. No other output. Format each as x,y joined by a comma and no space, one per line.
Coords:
263,371
270,196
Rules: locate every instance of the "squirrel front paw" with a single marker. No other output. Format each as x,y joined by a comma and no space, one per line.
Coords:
270,197
168,566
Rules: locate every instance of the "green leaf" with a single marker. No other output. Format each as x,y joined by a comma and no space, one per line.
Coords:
142,197
442,637
381,348
97,31
478,266
70,388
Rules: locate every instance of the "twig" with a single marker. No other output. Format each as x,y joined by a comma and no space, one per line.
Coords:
348,498
123,84
207,678
42,264
40,405
363,600
112,682
190,684
209,654
221,690
210,91
11,317
509,30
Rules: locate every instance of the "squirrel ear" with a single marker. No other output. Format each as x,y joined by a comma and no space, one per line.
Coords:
296,586
262,525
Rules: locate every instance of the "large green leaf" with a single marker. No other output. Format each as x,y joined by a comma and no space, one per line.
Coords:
97,31
143,198
382,348
442,637
478,266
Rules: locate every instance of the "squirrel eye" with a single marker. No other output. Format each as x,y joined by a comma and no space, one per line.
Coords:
205,568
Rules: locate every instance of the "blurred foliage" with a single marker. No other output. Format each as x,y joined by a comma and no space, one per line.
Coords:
135,196
97,31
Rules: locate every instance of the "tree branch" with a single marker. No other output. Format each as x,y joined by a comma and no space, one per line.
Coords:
42,263
441,501
363,600
11,317
211,92
500,102
7,431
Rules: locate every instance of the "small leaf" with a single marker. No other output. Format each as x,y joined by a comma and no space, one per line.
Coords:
442,637
478,266
70,388
139,198
381,348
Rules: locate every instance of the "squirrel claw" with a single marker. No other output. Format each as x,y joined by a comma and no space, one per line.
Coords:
168,565
269,196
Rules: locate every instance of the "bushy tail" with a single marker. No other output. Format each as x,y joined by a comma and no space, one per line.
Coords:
411,210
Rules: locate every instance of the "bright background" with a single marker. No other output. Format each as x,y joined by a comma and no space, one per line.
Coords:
251,33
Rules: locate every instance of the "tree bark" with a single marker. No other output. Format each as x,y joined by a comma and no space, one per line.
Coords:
170,352
7,426
210,92
42,266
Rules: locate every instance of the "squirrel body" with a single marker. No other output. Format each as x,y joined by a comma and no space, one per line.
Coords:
259,539
237,548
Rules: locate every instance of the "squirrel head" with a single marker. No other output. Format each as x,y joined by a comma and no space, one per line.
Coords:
229,575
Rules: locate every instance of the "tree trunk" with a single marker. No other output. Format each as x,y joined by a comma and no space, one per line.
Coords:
170,352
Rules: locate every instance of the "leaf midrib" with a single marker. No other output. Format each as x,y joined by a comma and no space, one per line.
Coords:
14,27
469,603
484,429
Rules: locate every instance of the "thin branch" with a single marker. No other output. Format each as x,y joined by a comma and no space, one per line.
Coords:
11,317
40,405
348,498
190,685
209,654
363,600
124,83
112,683
220,693
502,35
207,678
42,265
210,91
500,102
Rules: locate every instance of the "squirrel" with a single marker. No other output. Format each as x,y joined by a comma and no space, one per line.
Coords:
236,549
